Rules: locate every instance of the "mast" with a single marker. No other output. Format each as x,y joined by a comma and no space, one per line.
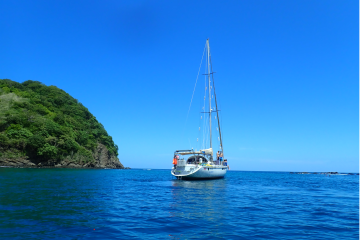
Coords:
208,55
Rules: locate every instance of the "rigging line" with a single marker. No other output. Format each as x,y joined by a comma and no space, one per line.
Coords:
206,133
218,120
195,86
221,123
203,116
198,135
204,107
199,139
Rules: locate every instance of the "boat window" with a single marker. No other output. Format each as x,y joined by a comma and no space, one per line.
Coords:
196,160
191,160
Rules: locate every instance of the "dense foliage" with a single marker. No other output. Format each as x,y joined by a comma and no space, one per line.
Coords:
44,122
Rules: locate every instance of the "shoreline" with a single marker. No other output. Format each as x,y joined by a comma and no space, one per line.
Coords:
60,167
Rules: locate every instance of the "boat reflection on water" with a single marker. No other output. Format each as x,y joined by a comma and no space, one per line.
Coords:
199,200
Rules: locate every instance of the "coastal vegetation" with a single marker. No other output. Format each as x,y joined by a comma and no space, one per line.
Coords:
44,123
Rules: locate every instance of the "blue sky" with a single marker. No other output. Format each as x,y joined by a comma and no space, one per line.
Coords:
287,74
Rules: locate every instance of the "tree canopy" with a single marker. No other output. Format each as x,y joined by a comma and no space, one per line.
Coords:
44,122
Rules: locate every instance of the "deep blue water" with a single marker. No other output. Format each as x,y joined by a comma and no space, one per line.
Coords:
142,204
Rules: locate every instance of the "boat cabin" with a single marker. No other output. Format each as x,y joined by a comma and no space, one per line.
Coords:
196,159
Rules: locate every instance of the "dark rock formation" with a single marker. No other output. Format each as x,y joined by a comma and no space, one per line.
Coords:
325,173
101,159
104,160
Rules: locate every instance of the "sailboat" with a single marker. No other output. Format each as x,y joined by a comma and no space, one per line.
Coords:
193,165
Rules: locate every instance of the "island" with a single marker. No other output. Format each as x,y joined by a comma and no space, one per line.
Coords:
325,173
43,126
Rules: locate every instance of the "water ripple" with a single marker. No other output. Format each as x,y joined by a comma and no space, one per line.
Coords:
137,204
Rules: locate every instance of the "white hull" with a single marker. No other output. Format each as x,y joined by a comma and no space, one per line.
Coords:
191,171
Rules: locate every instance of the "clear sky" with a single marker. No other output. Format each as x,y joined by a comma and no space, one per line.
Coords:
287,74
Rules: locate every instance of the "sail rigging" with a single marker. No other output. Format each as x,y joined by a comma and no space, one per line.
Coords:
200,163
217,112
208,54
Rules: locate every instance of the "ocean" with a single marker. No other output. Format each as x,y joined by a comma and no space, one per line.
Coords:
152,204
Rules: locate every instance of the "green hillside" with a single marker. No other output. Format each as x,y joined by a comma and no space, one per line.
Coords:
45,123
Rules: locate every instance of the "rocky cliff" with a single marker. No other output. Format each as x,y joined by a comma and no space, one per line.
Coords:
101,159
